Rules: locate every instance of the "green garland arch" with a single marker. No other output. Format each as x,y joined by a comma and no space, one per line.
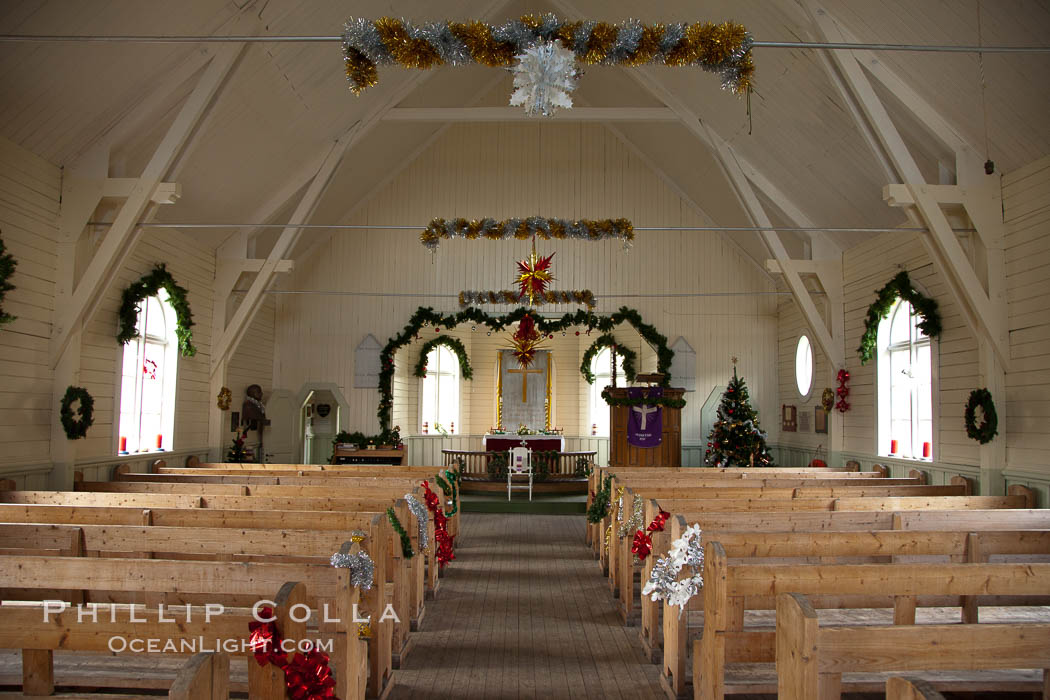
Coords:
453,344
146,287
7,268
989,427
426,315
606,340
900,286
76,429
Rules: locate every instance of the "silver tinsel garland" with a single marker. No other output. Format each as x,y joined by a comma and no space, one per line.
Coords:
634,523
664,584
420,511
441,45
362,568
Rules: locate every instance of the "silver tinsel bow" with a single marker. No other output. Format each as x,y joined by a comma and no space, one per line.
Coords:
664,583
362,568
420,511
544,78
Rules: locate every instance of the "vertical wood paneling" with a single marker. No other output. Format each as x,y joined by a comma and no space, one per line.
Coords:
29,201
790,327
503,170
1026,206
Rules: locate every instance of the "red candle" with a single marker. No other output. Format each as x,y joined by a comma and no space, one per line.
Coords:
160,441
893,447
123,444
926,449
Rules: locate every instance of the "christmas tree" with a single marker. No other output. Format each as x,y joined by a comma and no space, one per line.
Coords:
736,440
237,452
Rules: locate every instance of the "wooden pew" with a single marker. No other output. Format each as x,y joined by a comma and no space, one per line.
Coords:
811,527
900,688
242,534
24,626
732,588
810,659
206,676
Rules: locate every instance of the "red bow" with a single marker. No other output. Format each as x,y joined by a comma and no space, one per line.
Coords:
444,540
307,676
657,525
642,546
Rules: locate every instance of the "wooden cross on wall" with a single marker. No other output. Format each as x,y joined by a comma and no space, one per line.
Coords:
524,380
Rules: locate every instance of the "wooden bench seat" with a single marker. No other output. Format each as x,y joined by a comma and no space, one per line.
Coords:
811,658
234,585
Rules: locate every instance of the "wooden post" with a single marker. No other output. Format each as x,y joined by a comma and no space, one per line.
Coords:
797,629
267,682
708,678
205,675
974,555
38,672
899,688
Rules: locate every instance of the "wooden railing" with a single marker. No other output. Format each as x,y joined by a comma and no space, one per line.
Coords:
477,463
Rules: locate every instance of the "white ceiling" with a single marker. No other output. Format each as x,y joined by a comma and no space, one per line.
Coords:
285,103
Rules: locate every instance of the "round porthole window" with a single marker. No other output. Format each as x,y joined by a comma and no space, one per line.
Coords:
803,366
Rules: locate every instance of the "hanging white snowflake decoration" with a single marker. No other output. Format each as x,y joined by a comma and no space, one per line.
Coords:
544,78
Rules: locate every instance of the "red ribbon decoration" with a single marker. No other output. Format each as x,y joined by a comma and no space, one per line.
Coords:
307,676
842,391
657,525
444,540
642,546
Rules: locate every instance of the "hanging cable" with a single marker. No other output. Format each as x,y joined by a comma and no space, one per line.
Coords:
989,164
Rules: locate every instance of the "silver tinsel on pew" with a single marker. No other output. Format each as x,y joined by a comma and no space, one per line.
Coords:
420,511
664,584
722,48
362,568
634,523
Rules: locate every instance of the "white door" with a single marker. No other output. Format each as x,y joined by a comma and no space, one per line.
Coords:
280,434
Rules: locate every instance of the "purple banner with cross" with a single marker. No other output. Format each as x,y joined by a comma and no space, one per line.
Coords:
645,423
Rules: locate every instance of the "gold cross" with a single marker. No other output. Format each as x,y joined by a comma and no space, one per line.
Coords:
525,380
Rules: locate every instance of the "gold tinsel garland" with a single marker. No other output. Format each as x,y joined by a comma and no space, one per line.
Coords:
583,297
724,48
524,229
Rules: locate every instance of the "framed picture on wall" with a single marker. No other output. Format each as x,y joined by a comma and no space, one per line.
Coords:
789,419
820,420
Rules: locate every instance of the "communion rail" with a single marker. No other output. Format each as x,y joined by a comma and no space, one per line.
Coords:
477,463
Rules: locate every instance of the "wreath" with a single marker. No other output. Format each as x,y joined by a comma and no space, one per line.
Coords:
148,286
989,427
453,344
7,268
224,398
607,341
898,287
425,315
76,429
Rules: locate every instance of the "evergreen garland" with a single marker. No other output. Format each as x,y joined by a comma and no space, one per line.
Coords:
147,286
76,429
898,287
406,542
600,505
989,427
427,316
606,340
7,268
450,493
736,440
665,401
453,344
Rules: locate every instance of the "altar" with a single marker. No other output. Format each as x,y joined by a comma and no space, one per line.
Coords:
536,443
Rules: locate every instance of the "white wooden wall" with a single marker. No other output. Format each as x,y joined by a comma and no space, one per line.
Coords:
29,195
1026,202
565,170
806,441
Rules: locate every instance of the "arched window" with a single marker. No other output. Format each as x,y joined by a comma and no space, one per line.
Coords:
905,386
147,384
601,366
440,394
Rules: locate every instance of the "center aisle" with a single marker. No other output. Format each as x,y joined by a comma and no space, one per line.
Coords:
524,612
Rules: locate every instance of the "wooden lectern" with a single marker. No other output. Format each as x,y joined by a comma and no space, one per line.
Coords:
667,454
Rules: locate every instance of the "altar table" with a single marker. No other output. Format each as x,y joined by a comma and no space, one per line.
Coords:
537,443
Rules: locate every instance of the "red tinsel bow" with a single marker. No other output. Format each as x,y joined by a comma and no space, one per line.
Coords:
642,546
444,540
307,676
657,525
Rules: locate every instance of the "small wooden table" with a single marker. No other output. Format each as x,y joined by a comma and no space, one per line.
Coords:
392,457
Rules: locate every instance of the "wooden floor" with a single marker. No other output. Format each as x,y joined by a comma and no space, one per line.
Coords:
523,612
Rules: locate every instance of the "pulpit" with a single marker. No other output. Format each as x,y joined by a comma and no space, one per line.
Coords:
668,453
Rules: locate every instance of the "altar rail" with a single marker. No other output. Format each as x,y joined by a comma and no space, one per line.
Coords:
475,463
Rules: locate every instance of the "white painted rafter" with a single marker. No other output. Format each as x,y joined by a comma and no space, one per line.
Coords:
124,232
